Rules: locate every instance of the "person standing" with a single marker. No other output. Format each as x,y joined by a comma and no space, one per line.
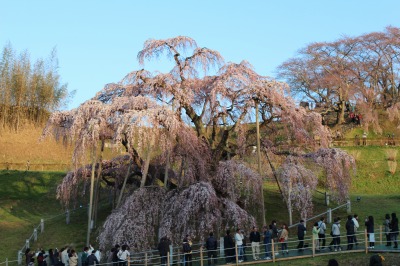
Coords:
356,226
84,255
28,256
394,229
369,223
350,232
336,234
187,250
386,223
229,246
267,241
364,138
283,238
239,243
301,231
91,260
73,258
163,248
315,233
321,234
123,255
212,246
255,239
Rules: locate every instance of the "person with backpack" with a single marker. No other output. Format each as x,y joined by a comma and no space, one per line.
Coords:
211,246
41,258
84,255
321,234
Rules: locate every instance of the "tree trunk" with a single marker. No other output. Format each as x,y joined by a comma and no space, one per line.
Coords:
340,113
123,185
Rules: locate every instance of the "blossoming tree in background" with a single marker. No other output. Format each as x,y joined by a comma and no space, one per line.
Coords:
185,138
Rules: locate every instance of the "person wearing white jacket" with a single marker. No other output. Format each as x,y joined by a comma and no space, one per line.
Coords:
239,243
356,226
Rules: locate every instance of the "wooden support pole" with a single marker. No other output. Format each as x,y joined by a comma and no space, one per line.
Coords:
366,241
380,234
313,245
273,250
168,259
145,259
129,260
201,256
237,255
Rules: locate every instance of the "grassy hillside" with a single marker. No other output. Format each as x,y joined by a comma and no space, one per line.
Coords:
47,155
25,199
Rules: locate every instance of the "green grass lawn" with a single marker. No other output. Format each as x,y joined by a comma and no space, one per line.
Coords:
28,197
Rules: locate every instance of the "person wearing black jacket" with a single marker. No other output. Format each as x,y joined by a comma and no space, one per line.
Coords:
255,239
211,246
369,223
229,247
91,259
394,229
350,232
301,231
163,248
115,251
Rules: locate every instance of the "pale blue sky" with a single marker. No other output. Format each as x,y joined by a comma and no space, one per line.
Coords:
97,41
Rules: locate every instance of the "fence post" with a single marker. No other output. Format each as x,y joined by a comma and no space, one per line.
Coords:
168,259
366,241
329,219
145,259
273,249
19,257
348,207
327,199
171,254
201,256
67,219
27,243
313,245
236,255
380,234
41,225
6,261
35,234
221,247
129,260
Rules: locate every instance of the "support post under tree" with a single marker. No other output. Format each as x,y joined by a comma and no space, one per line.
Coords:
91,197
259,164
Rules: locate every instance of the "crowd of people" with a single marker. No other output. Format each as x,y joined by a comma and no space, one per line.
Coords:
234,245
